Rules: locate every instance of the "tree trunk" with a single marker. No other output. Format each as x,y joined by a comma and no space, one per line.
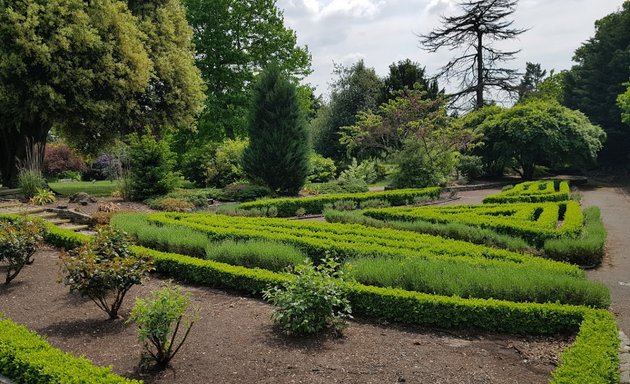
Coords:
528,171
480,79
15,143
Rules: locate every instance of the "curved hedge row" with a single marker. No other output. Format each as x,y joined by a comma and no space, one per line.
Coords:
593,356
533,192
533,222
315,205
27,358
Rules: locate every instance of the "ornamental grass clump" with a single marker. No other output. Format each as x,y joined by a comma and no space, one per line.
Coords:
314,301
160,320
19,240
104,269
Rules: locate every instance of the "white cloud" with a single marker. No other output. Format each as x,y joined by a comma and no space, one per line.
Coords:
384,31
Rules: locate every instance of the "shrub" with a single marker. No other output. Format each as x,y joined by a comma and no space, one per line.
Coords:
151,168
343,186
104,269
170,204
532,192
59,158
194,163
225,168
278,149
418,169
18,242
270,255
245,192
30,181
43,196
365,171
314,301
471,167
159,320
322,169
105,167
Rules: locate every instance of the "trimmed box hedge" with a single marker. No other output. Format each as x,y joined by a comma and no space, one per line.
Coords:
27,358
533,192
287,207
533,222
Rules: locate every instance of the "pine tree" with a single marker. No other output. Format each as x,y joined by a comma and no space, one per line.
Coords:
278,150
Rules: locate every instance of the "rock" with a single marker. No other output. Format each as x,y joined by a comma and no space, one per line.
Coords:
82,198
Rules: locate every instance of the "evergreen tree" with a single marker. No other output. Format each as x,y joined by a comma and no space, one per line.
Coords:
279,149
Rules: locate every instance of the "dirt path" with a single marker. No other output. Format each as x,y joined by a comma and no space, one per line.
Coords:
234,342
615,270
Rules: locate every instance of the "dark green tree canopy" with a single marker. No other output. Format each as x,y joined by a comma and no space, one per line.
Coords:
534,75
278,152
405,75
66,64
358,88
540,132
235,39
593,84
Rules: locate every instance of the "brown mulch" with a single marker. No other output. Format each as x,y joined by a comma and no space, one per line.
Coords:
234,341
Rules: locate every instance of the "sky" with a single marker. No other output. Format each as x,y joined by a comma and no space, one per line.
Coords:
384,31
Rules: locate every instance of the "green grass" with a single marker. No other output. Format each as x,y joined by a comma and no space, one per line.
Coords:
96,188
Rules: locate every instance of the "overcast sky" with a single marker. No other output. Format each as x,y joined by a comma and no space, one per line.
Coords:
384,31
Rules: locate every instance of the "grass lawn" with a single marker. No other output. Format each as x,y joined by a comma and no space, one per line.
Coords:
97,188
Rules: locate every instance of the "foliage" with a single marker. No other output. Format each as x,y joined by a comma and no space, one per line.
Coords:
278,151
30,181
470,166
532,192
80,82
450,230
322,169
103,268
588,249
43,196
270,255
314,301
151,167
475,31
406,74
365,171
358,88
96,188
19,240
421,166
170,204
226,168
315,204
159,320
532,78
244,192
28,358
339,186
60,158
602,67
235,40
541,132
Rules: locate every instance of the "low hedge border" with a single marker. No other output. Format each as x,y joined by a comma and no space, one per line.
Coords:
593,358
25,357
315,205
532,192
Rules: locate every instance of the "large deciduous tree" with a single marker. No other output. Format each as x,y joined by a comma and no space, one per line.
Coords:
68,64
358,88
478,68
540,132
593,84
406,74
278,152
235,39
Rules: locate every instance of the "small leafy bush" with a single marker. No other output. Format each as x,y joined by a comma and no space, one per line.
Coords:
314,301
170,204
104,269
160,319
270,255
375,203
345,205
19,239
43,196
245,192
322,169
365,171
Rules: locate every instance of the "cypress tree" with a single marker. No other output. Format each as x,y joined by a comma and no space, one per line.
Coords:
278,138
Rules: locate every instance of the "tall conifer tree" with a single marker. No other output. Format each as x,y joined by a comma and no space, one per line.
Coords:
278,151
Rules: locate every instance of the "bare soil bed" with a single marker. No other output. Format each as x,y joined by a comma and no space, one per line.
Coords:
234,341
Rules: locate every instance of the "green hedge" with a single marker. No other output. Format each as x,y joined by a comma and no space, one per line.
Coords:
593,358
287,207
533,192
27,358
533,222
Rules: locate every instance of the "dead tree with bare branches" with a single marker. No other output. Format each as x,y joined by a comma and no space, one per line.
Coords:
474,33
